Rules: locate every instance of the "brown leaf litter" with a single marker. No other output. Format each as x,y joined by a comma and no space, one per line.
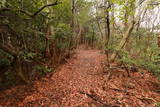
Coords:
72,85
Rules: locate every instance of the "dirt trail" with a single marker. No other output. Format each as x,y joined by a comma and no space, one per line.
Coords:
75,85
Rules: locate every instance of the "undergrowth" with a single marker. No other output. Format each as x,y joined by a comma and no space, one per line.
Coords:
140,51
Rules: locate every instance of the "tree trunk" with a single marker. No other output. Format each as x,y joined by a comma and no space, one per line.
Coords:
46,54
113,18
158,41
17,63
107,24
107,29
99,27
79,37
123,41
140,19
18,67
73,25
73,13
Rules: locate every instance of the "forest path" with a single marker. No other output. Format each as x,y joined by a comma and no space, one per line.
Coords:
65,85
73,85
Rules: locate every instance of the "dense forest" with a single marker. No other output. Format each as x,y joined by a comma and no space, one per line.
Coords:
60,46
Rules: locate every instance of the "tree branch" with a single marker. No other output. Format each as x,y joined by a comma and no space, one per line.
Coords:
8,50
155,3
48,5
28,13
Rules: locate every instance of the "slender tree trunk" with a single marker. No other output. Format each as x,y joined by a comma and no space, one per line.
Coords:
126,16
49,31
140,19
125,20
158,41
47,41
73,25
107,29
73,18
123,41
79,36
107,23
99,27
113,19
92,42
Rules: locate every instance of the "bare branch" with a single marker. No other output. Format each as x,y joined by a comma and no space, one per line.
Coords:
28,13
155,3
48,5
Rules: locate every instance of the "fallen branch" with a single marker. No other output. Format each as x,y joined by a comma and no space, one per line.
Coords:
148,100
97,99
116,89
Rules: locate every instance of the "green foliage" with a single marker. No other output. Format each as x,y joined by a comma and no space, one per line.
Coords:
31,37
2,3
143,52
84,9
63,34
62,13
41,68
123,56
4,62
5,59
158,104
62,31
28,56
9,76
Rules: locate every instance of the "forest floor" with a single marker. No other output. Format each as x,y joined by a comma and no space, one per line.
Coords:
81,82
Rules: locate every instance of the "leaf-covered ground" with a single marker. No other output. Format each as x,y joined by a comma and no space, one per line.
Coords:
81,82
